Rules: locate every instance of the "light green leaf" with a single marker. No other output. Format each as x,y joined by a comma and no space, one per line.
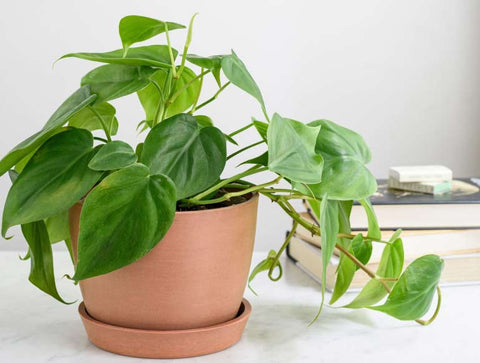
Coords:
335,140
361,249
259,160
41,259
114,155
58,227
86,118
261,128
263,265
54,179
151,55
237,73
203,121
135,28
373,228
192,156
76,102
390,266
412,295
345,272
291,150
343,178
115,80
122,219
213,63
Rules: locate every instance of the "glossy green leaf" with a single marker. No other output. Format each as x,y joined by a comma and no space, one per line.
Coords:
41,259
135,28
192,156
87,119
263,265
115,80
122,219
390,266
58,227
203,121
261,128
114,155
151,55
259,160
329,227
150,96
345,273
237,73
76,102
334,140
373,228
412,295
361,249
213,63
54,179
291,150
343,178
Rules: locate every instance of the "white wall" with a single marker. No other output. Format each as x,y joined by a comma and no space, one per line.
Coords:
404,74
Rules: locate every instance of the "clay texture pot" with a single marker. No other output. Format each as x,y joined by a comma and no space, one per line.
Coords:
195,277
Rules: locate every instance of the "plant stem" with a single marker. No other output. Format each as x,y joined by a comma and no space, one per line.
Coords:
244,149
236,132
435,313
160,104
230,195
214,97
187,44
253,170
279,253
102,122
185,86
170,52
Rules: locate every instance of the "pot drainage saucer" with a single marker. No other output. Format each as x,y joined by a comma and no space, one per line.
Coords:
165,343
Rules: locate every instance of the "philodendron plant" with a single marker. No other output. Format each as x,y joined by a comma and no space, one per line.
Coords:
131,193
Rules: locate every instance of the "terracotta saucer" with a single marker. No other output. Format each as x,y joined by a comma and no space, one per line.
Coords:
165,343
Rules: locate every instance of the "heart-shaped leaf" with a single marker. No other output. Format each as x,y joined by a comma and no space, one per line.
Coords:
122,219
390,266
150,55
41,259
116,80
237,73
114,155
412,295
291,150
361,249
54,179
87,119
135,28
76,102
192,156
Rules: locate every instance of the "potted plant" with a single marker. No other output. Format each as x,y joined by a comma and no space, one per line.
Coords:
161,241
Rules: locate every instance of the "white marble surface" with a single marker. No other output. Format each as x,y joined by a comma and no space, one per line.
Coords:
35,328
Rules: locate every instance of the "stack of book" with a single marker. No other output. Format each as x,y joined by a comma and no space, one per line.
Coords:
447,225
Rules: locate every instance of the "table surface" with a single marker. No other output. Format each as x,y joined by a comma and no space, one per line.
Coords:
36,328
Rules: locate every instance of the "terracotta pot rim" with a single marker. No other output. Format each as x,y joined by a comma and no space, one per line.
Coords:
242,315
254,197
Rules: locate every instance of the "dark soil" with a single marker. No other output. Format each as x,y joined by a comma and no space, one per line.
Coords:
218,194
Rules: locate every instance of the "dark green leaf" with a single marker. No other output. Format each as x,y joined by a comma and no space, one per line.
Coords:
390,266
135,28
192,156
362,249
114,155
334,140
41,261
87,119
115,80
259,160
54,179
373,228
122,219
291,150
203,121
151,55
412,295
76,102
236,72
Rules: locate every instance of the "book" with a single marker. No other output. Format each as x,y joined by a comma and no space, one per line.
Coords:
415,242
420,173
421,187
458,269
457,209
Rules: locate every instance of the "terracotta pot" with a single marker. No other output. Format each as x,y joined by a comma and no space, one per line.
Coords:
195,277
